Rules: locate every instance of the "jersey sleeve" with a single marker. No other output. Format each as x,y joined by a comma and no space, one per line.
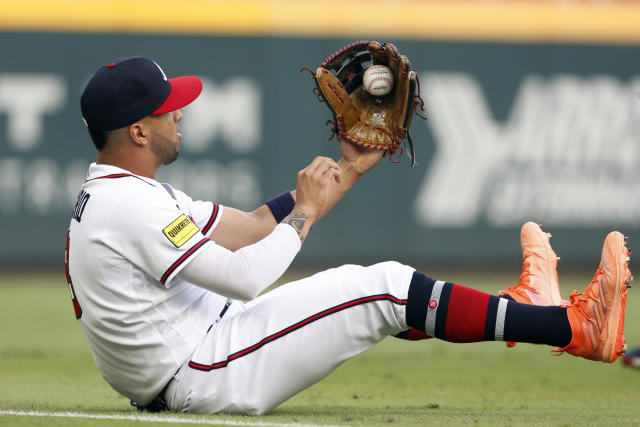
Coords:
206,215
149,230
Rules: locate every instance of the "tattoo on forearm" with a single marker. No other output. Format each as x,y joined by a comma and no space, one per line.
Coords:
297,221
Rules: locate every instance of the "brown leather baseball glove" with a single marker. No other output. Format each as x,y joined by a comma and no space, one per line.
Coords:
380,122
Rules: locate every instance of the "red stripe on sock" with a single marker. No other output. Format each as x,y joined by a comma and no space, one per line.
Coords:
466,315
416,335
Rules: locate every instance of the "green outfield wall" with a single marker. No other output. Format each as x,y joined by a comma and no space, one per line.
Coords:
523,131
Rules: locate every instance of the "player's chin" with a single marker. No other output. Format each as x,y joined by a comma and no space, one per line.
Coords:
171,158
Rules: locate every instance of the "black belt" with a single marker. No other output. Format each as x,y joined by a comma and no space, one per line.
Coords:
159,403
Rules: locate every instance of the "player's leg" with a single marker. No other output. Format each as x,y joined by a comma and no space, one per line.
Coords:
538,283
457,313
288,339
598,313
592,326
292,337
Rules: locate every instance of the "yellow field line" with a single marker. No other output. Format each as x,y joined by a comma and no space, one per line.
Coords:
513,21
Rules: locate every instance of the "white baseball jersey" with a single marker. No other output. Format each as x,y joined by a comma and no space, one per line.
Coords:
129,237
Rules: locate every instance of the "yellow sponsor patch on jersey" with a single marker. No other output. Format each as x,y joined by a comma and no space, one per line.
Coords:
180,230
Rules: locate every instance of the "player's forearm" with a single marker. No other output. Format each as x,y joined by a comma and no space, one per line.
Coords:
348,177
338,189
285,206
238,229
243,274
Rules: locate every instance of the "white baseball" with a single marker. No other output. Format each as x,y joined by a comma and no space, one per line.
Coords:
378,80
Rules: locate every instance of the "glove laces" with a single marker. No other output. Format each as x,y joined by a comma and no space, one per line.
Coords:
419,102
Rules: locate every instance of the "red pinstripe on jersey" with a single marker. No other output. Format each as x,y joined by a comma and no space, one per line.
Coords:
209,223
182,259
76,305
294,327
118,175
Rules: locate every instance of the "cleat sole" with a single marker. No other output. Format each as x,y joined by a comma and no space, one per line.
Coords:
615,326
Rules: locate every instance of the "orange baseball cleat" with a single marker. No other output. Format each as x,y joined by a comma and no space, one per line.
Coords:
538,282
597,315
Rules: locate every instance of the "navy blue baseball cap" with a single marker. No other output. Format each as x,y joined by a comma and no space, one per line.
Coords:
129,89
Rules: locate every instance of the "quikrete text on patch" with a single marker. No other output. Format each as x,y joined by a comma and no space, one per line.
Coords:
180,230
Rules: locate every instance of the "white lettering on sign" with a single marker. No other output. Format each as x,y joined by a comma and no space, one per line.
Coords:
42,187
566,155
45,186
26,99
10,186
231,111
39,186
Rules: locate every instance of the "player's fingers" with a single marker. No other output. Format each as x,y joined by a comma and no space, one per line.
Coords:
319,171
338,176
325,172
303,171
320,164
331,171
327,162
313,166
327,176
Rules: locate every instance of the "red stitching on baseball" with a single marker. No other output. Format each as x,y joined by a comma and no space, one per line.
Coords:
375,79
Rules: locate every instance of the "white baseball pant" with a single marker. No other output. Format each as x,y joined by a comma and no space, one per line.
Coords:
262,353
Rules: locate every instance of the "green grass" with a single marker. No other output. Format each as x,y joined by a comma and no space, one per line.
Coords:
45,365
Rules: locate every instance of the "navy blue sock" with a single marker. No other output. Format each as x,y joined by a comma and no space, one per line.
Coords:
553,327
460,314
537,324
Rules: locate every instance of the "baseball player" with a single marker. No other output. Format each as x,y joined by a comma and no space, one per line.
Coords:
158,280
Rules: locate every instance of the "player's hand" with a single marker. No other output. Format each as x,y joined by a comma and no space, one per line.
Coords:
361,159
313,185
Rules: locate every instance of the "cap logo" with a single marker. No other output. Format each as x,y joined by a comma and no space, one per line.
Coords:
164,76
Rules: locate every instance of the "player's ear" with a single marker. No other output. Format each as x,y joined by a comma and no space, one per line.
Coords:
139,133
